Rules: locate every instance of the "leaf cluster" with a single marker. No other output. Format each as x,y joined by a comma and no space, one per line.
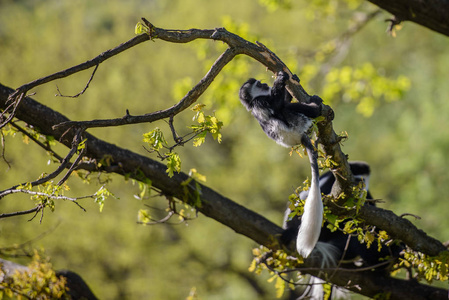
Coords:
427,267
363,85
38,281
156,140
278,264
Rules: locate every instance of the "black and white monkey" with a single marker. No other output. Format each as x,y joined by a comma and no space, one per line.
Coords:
288,124
336,247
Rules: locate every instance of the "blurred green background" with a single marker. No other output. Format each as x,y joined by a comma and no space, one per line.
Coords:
387,93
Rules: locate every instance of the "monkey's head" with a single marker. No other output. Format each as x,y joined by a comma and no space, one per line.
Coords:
252,89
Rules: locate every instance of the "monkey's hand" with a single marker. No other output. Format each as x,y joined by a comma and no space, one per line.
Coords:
282,76
278,89
316,100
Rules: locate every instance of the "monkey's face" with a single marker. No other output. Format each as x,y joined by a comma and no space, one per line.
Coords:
260,89
252,89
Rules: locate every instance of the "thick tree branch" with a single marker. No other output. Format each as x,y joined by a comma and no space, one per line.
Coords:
432,14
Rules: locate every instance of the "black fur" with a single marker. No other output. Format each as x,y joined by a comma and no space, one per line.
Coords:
352,249
282,120
288,123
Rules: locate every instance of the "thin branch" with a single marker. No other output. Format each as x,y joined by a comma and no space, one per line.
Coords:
412,215
50,196
4,149
20,213
36,141
85,88
184,103
163,220
81,67
72,167
17,96
14,105
42,206
12,251
62,166
176,138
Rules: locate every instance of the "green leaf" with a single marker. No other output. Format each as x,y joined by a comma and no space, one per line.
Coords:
145,189
141,28
81,145
193,173
349,227
155,139
200,139
279,286
101,195
143,216
173,163
206,123
198,107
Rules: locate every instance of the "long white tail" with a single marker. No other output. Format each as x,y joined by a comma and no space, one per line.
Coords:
311,220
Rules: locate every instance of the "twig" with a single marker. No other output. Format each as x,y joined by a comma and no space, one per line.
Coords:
19,213
81,67
4,149
409,214
176,138
163,220
85,88
51,196
7,251
39,143
20,92
76,142
15,104
184,103
61,167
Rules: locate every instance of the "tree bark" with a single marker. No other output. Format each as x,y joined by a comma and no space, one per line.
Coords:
433,14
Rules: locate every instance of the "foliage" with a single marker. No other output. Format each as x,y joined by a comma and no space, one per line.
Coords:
194,179
273,5
363,85
101,195
38,281
277,264
428,268
206,124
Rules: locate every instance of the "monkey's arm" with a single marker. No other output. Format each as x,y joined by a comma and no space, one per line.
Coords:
278,91
311,109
